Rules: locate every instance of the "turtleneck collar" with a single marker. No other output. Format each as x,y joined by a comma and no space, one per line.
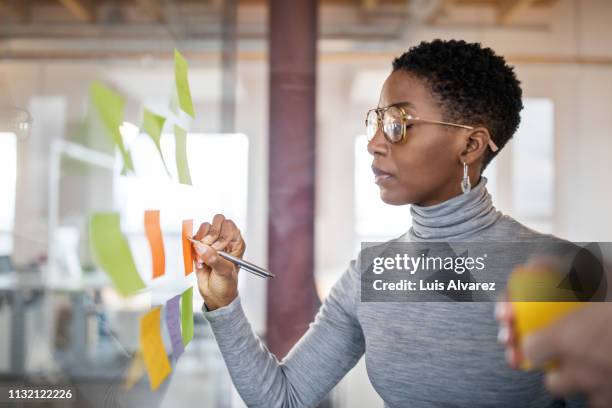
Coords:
457,218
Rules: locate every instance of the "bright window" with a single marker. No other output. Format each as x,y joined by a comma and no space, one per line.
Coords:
8,177
533,165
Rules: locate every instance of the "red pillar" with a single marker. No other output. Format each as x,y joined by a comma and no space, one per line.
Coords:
292,300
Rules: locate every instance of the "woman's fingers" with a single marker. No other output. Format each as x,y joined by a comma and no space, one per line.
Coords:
202,231
506,336
227,233
570,378
222,235
215,229
237,245
198,250
208,256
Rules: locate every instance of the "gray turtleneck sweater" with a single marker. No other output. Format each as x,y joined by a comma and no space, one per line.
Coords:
418,354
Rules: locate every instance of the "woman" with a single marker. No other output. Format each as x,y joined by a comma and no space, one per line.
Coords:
444,112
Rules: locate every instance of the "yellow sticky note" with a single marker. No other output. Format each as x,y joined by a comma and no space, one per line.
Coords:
152,346
182,84
109,105
182,166
112,253
529,288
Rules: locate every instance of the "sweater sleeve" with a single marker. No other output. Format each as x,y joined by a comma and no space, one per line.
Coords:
330,347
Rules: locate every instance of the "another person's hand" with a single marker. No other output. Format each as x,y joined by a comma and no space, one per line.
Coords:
580,342
217,277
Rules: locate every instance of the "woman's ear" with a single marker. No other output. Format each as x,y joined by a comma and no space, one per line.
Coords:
476,143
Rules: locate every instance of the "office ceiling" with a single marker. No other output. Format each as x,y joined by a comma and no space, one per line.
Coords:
73,29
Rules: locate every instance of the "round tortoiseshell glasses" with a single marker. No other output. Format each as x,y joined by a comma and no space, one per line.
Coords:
395,121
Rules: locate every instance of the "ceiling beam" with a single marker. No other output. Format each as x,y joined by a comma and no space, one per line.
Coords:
436,11
154,9
508,10
216,4
81,9
17,9
369,5
325,56
4,8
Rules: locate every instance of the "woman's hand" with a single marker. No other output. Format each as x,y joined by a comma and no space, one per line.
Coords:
217,277
580,343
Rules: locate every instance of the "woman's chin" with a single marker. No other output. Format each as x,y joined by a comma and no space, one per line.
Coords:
391,197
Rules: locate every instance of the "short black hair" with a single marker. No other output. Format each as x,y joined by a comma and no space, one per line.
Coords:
472,84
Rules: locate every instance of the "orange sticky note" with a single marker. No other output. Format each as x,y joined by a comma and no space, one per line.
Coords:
187,254
152,346
156,242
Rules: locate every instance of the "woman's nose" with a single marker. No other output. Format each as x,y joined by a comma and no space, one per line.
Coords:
378,143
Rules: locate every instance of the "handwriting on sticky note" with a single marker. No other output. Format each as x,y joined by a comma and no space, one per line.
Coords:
173,323
112,252
152,125
182,166
187,315
181,79
187,232
152,346
156,242
109,105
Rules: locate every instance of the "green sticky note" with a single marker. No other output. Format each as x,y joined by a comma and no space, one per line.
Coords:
182,166
152,125
112,252
174,101
182,84
187,315
109,105
128,164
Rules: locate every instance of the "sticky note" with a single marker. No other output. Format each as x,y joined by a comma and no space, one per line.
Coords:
173,323
182,166
531,290
156,242
135,371
187,232
152,125
109,105
152,346
182,84
187,315
112,253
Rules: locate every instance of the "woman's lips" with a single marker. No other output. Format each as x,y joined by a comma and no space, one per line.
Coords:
380,176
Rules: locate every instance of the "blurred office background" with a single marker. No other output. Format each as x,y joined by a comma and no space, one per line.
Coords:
554,176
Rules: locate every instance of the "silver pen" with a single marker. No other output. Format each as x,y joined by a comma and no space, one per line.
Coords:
247,266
